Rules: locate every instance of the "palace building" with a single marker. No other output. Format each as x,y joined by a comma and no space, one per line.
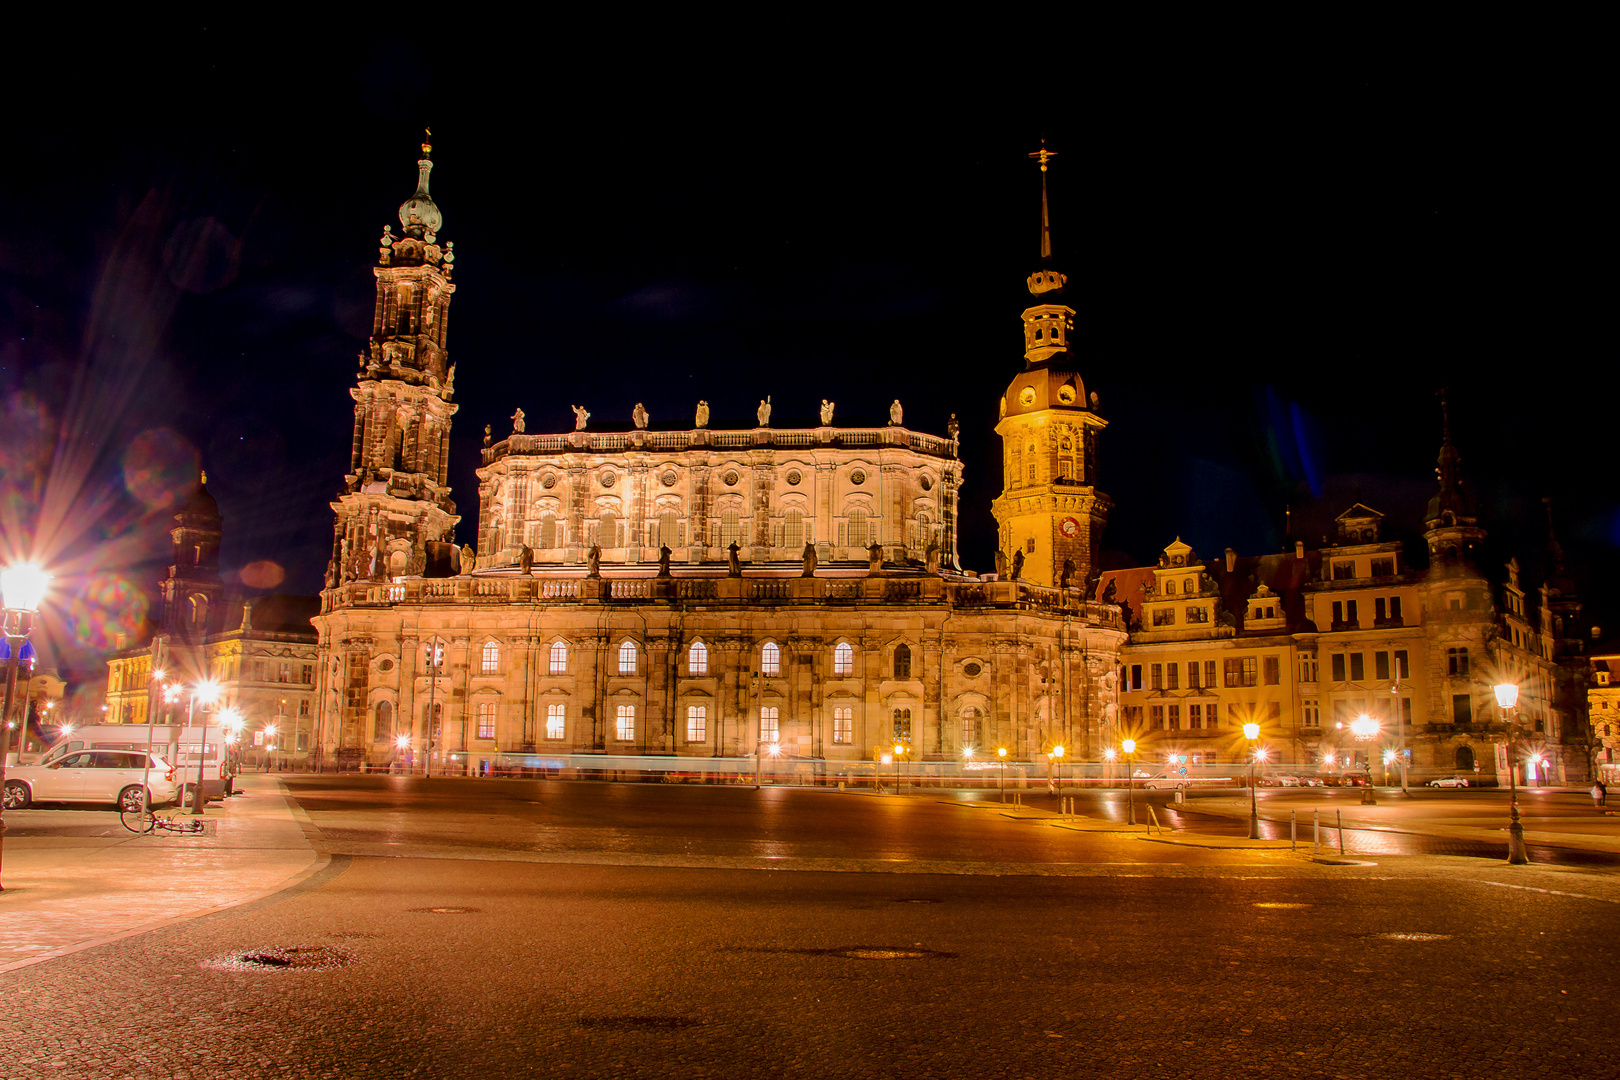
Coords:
685,591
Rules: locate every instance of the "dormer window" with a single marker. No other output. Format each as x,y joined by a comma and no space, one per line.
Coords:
1170,587
1344,571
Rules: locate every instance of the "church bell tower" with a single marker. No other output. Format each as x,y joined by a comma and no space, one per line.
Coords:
396,496
1049,514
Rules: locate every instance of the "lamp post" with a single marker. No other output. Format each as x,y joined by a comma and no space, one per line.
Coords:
1251,731
899,752
208,691
402,742
1400,724
270,744
1001,752
1057,773
23,587
1507,696
1365,730
1129,746
967,759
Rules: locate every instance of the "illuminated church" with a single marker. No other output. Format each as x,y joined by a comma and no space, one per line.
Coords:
710,593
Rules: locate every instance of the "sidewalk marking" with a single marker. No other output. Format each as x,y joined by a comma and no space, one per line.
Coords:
1551,892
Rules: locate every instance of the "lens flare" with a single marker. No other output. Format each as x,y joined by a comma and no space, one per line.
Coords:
160,468
105,608
263,574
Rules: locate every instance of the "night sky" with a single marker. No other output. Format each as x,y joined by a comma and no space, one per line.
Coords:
1275,268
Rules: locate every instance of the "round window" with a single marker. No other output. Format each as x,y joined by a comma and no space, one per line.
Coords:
1026,396
385,665
548,481
858,476
971,670
793,476
927,483
608,479
668,478
730,478
1066,394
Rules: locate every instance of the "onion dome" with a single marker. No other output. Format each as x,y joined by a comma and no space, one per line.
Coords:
419,214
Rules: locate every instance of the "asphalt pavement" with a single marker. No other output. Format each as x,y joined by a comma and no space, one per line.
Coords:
454,928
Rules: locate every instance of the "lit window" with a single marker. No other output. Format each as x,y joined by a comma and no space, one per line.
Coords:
769,724
559,658
902,725
625,727
627,658
697,659
843,659
492,657
844,726
770,660
555,717
902,661
970,727
486,719
697,723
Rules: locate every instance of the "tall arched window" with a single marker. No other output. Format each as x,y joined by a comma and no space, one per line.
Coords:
730,528
843,659
697,659
624,726
607,530
669,527
770,659
559,658
793,530
492,657
627,658
857,529
385,721
902,661
970,727
199,610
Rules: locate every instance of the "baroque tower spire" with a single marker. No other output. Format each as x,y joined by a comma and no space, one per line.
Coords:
396,495
1049,512
1451,523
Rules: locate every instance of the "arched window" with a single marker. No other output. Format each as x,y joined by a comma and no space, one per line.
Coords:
770,724
970,727
697,659
559,658
770,660
902,725
607,530
793,530
1170,587
556,721
669,530
857,531
385,721
902,661
843,659
492,657
433,654
199,609
697,723
624,727
730,528
627,658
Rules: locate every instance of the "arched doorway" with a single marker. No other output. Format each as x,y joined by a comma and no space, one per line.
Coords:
1465,759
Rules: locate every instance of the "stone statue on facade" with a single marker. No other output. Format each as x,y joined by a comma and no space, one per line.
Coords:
1067,576
1001,563
953,428
468,558
593,561
450,382
525,559
895,413
1109,591
331,573
702,415
488,435
580,416
931,557
810,560
517,422
874,558
826,411
639,415
733,562
1093,579
764,412
663,560
1018,564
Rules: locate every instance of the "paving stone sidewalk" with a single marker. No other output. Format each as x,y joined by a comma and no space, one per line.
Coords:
75,878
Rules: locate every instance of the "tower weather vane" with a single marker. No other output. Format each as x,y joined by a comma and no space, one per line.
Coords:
1043,155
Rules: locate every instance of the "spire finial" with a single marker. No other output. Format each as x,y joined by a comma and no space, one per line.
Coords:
1043,155
203,481
427,144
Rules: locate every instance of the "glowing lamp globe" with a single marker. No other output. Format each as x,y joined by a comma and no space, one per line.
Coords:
1251,730
1507,694
1364,728
1057,751
1001,750
1129,746
24,586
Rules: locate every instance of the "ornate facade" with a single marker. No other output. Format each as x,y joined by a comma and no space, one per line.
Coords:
704,593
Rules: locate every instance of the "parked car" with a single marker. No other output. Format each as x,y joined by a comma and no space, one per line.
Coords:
1449,781
1310,781
92,776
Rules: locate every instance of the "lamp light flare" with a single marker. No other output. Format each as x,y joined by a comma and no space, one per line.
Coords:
1251,730
1109,753
1129,746
24,586
402,742
1507,694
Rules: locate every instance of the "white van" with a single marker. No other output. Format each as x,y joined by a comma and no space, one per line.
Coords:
175,744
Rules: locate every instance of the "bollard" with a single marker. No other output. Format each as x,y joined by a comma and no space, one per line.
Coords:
840,785
1341,830
1316,832
1293,830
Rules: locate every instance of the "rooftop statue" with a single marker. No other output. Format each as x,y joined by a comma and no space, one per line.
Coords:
517,422
826,411
895,413
580,416
639,414
702,414
764,412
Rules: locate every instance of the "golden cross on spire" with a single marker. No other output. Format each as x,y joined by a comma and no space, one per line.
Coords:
1043,155
427,147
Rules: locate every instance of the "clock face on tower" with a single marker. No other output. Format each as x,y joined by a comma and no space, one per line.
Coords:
1069,527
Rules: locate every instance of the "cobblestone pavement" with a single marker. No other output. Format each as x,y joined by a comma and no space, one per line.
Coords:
478,962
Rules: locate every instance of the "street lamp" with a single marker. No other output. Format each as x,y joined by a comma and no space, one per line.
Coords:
1129,746
1057,769
207,691
899,752
1001,752
401,743
23,588
1507,696
1365,729
270,741
1251,731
